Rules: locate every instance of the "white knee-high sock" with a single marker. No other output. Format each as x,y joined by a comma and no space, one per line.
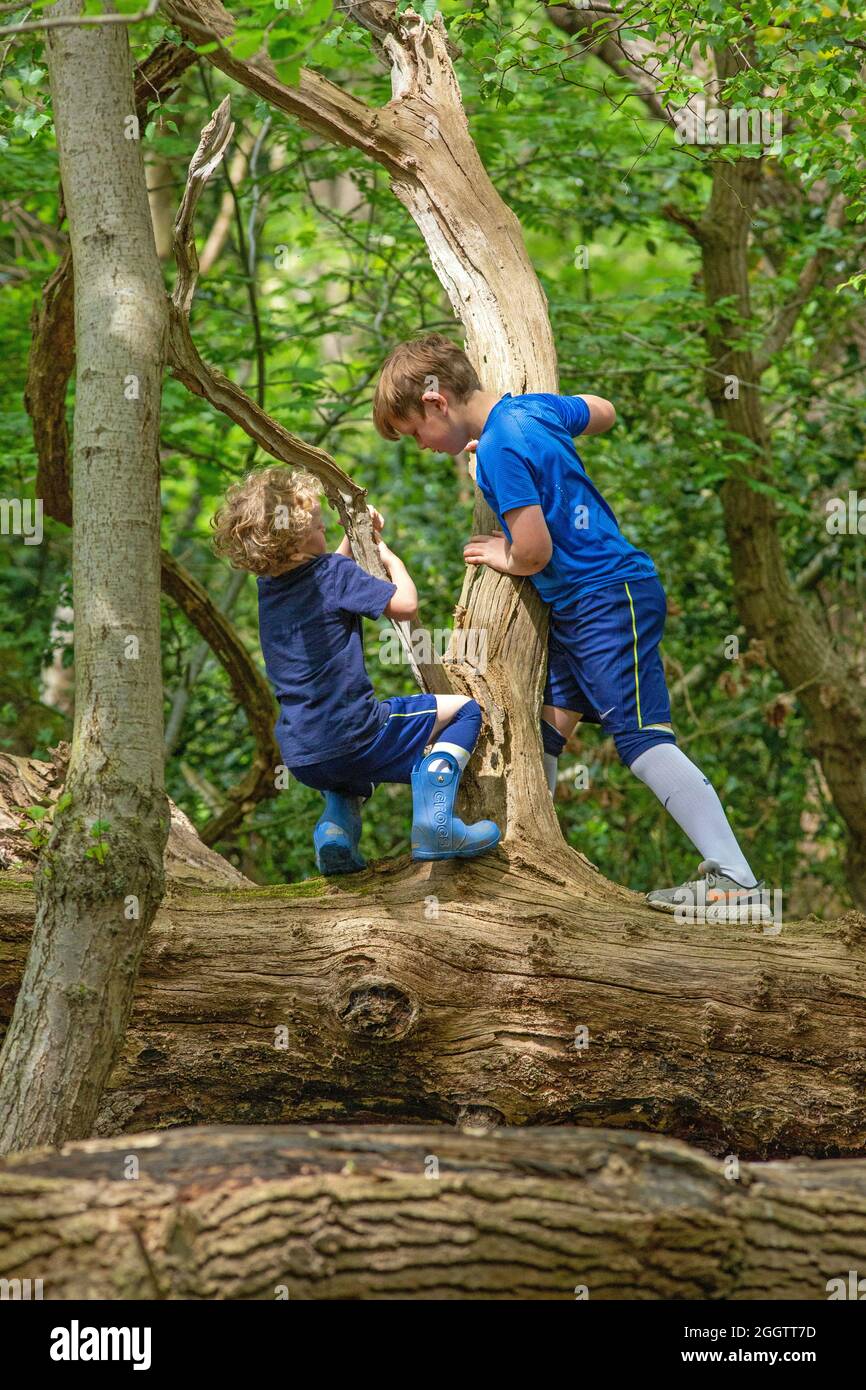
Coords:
551,766
690,798
443,746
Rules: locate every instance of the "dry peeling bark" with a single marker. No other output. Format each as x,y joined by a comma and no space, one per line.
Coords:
394,1212
429,993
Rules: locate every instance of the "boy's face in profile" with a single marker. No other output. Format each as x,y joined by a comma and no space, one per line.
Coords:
440,427
314,542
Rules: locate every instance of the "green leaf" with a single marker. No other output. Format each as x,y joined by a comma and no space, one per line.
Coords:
31,121
246,43
289,71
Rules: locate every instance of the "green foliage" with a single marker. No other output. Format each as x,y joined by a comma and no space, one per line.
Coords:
41,819
40,824
100,848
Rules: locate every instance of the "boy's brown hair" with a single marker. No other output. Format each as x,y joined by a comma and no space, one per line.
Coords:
432,363
264,519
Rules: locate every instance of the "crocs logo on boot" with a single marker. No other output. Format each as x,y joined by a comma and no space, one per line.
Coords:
440,814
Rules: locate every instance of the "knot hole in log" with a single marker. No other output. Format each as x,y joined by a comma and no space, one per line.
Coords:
377,1009
478,1119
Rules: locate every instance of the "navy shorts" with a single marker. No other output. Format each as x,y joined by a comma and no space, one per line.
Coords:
395,750
604,662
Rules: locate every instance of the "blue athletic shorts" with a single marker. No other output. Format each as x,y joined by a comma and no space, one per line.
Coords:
395,750
604,662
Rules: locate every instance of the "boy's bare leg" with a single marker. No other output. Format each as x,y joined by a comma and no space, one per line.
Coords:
562,722
446,708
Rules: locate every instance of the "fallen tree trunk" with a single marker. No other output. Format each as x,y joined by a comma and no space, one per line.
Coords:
394,1212
494,989
27,783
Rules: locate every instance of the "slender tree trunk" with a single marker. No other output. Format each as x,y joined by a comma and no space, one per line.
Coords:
398,1212
101,878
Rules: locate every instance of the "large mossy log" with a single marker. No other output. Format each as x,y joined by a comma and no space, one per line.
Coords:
400,1212
495,989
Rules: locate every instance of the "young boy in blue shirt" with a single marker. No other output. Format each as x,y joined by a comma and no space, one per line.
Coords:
334,734
607,602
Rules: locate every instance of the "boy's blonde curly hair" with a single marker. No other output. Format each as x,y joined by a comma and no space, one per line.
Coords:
264,519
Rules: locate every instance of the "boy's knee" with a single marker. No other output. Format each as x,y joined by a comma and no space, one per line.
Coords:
463,727
630,744
467,711
448,706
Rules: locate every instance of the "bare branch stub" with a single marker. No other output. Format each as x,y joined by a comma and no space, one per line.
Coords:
212,146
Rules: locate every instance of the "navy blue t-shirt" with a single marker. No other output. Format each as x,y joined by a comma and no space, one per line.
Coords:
526,457
310,631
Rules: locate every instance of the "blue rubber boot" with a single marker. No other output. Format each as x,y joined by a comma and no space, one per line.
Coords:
337,834
436,831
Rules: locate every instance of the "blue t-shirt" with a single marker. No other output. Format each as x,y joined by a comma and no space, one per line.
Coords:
526,457
310,631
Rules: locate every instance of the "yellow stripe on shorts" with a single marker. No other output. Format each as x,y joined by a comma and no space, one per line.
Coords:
636,676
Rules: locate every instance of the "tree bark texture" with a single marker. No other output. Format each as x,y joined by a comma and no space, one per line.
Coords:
495,989
407,1213
52,355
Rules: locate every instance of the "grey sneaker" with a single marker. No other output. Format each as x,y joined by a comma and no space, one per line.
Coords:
713,898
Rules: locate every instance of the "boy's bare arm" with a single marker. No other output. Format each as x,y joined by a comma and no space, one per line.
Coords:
602,415
528,551
404,604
